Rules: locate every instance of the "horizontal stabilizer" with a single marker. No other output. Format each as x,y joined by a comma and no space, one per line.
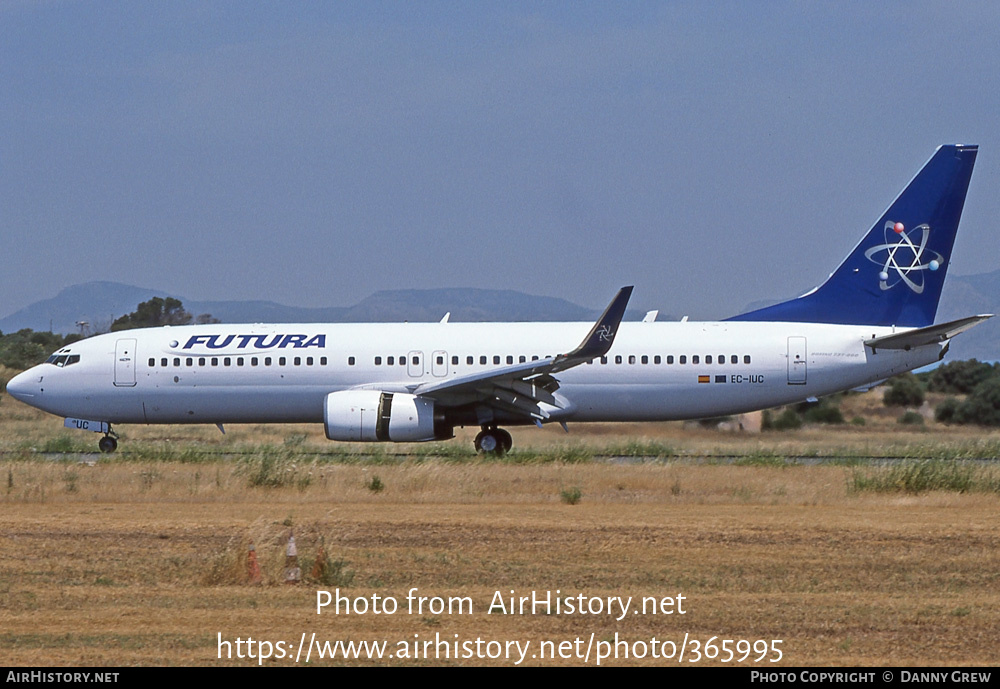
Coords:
932,334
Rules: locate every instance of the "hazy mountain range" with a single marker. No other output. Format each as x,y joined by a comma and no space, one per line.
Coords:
99,303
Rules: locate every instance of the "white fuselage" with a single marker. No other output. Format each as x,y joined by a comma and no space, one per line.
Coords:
654,371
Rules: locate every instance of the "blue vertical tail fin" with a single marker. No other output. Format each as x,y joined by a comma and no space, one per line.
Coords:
895,274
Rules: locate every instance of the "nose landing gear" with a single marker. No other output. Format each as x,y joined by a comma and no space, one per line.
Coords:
493,441
109,443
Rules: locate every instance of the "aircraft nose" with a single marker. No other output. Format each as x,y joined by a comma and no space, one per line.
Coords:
23,386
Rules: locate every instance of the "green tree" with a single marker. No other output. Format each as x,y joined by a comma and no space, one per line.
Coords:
824,412
961,377
904,391
982,406
21,354
946,411
25,348
153,313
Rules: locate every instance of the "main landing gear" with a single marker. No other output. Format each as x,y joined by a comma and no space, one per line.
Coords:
493,441
109,443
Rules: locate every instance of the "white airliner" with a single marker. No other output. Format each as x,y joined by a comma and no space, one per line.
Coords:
873,318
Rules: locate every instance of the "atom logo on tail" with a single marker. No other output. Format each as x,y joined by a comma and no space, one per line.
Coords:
903,257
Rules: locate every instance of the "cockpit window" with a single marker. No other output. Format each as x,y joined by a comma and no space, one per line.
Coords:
62,360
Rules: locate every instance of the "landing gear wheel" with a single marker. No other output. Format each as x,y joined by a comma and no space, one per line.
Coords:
487,443
506,442
107,444
493,441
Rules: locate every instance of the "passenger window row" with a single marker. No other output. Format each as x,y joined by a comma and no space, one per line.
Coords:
509,359
238,361
483,360
681,359
439,360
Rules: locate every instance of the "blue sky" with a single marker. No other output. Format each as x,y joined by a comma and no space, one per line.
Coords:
712,154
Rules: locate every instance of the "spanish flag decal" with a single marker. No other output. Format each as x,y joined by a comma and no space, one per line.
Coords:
704,379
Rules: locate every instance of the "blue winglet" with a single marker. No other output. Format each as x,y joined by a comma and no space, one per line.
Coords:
895,275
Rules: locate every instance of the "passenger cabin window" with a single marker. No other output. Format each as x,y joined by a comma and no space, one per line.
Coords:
682,359
350,361
746,358
390,360
378,361
695,359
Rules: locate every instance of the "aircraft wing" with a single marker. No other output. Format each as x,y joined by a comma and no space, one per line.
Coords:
523,388
932,334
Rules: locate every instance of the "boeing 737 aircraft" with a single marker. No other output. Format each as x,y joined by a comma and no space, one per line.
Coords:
873,318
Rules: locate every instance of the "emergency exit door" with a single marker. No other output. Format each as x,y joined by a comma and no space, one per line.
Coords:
125,363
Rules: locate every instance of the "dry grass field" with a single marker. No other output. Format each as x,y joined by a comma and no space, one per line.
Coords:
141,559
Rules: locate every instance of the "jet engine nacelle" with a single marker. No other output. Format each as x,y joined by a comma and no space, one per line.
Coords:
376,416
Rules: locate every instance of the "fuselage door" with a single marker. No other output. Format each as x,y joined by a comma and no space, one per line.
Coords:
125,363
796,360
415,364
439,364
